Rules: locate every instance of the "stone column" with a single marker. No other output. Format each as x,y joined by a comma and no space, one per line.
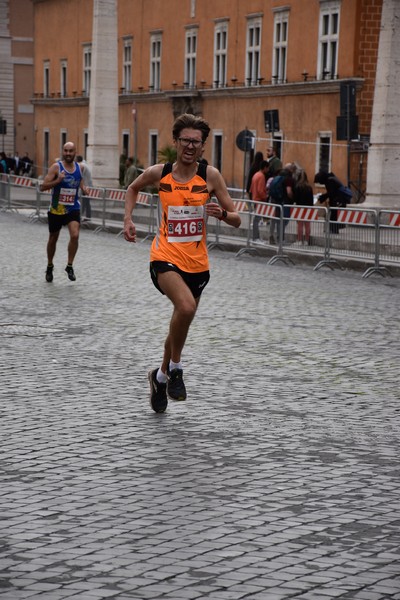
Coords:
383,189
102,151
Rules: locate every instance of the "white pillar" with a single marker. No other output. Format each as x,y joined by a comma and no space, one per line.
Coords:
102,151
384,153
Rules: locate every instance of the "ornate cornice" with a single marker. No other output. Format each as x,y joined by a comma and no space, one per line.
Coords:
193,95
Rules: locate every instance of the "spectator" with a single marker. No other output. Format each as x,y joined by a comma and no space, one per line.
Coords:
303,196
258,192
86,209
3,163
274,163
17,164
122,168
335,196
27,165
254,167
281,193
10,164
130,172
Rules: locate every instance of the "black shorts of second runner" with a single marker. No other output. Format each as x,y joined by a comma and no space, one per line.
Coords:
196,282
56,222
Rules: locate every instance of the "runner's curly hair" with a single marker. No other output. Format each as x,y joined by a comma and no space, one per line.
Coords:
190,121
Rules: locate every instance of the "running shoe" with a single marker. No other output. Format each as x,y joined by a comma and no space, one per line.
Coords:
158,393
49,274
175,387
70,272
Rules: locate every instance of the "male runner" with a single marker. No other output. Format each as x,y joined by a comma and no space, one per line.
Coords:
64,178
179,265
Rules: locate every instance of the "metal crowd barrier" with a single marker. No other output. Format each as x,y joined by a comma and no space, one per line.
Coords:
9,184
387,242
149,201
42,204
243,208
351,233
282,226
302,230
113,210
5,198
97,196
112,206
366,235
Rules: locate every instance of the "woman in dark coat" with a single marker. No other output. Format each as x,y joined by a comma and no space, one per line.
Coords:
303,196
334,194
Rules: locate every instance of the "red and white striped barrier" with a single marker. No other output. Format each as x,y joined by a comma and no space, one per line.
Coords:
144,198
394,220
359,217
240,205
94,192
116,195
21,181
302,213
264,210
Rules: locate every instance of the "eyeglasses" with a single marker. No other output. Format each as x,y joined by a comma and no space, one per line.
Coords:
185,142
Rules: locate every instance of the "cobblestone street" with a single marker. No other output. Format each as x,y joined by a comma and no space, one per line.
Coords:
278,478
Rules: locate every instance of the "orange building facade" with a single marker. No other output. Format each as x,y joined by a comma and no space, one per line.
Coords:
232,62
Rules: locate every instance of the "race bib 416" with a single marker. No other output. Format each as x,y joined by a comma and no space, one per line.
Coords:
185,223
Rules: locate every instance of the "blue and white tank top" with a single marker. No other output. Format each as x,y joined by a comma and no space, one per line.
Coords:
65,196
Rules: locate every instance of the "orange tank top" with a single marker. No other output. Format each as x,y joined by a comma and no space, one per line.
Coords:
181,236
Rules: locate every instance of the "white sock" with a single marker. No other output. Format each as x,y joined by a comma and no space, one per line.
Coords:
161,377
173,365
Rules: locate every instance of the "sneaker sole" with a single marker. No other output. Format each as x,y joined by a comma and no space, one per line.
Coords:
179,399
150,378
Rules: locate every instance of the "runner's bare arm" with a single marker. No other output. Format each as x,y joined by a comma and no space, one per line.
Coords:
218,187
53,178
149,177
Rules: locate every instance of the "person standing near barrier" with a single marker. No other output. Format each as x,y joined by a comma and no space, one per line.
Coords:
27,165
86,209
337,195
64,178
131,172
303,196
17,164
179,264
281,193
258,191
255,166
274,162
3,163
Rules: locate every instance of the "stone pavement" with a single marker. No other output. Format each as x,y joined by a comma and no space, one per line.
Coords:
277,479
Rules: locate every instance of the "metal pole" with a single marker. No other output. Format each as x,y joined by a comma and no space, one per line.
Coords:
244,163
348,131
134,113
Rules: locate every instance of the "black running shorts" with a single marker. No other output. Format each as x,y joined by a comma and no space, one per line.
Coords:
196,282
56,222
